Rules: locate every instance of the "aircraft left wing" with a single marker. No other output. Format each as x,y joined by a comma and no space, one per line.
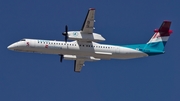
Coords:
86,33
78,64
88,25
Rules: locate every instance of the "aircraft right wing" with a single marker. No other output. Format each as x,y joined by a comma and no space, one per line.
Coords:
78,60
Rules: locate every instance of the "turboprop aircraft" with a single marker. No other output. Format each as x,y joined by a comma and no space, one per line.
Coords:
85,46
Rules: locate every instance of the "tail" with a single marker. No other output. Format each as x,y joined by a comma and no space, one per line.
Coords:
160,38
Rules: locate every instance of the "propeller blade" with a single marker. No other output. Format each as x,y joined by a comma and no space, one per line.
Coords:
66,37
65,33
66,29
61,58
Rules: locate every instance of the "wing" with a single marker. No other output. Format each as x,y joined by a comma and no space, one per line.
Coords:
78,64
88,25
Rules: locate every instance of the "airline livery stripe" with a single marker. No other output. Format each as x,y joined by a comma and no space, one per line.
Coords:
159,39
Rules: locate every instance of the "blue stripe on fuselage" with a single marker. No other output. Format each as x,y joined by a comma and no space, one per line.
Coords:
155,48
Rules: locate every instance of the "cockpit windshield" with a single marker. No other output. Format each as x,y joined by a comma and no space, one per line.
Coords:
23,40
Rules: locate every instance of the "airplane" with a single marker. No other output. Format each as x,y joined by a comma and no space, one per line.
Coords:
85,46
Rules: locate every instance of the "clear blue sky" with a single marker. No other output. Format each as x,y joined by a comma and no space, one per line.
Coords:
41,77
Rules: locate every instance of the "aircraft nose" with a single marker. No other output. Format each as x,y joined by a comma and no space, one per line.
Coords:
11,47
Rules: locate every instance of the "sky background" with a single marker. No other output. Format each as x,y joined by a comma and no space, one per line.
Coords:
41,77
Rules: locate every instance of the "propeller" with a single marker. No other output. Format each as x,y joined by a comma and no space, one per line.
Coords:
61,58
65,33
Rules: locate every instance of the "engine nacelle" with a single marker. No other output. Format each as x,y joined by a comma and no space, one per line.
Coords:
78,35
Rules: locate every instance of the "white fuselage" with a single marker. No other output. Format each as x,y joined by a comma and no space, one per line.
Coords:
77,48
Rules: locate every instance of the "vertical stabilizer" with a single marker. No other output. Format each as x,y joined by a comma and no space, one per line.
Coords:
160,38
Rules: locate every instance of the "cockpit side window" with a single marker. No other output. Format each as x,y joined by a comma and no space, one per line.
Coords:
23,40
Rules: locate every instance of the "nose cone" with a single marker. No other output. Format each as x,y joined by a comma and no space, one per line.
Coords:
11,47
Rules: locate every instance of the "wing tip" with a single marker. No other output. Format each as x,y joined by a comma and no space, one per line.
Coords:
91,8
77,71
